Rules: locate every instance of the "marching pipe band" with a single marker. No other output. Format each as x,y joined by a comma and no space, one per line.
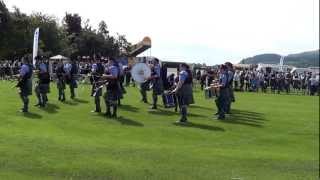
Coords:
177,95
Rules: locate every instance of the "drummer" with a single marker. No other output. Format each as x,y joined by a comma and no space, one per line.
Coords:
221,101
184,91
156,82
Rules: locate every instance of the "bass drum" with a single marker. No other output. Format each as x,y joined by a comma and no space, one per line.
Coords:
140,72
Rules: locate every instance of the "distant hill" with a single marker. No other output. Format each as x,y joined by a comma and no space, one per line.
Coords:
304,59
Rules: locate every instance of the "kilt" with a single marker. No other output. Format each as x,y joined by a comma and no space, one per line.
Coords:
185,95
61,84
111,96
157,88
26,88
42,88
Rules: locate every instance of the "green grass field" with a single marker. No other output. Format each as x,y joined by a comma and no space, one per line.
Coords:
266,137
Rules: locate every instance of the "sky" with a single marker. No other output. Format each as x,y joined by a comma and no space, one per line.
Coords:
201,31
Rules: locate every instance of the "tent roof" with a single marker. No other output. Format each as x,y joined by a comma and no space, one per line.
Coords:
58,57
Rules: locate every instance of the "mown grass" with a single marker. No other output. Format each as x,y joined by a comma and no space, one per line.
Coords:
266,137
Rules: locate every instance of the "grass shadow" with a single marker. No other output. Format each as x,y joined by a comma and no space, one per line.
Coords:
245,117
80,101
126,121
50,108
196,115
32,115
201,107
162,112
200,126
71,103
130,108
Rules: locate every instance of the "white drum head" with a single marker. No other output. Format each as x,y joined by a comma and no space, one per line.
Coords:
140,72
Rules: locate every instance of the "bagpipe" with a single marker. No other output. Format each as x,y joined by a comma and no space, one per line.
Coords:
212,91
97,83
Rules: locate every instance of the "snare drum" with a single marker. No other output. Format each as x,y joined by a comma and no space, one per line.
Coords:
169,100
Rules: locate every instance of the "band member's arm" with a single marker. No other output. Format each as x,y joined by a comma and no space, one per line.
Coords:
157,73
113,74
182,78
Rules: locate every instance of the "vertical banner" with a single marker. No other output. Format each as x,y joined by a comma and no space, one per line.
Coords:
35,46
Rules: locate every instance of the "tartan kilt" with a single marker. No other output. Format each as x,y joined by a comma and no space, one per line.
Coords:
111,96
43,88
157,87
26,88
61,84
185,95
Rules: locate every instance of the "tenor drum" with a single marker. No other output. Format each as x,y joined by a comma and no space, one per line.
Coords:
140,72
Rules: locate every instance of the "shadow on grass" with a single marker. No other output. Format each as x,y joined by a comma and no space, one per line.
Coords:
32,115
130,108
201,107
129,122
50,108
80,101
71,103
200,126
245,117
162,112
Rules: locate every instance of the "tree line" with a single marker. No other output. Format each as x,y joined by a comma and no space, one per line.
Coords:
73,38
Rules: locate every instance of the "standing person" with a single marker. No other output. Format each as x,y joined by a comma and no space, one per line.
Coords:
127,75
210,77
97,71
198,76
183,91
61,83
236,80
25,84
203,80
247,78
155,79
230,96
313,85
111,96
273,82
242,80
43,84
71,70
121,81
287,82
144,87
223,92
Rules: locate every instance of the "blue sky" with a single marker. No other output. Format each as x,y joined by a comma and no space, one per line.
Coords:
203,31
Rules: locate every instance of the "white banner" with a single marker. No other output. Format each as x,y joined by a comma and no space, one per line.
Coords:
35,46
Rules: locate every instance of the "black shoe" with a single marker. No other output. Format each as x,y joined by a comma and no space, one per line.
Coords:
37,104
114,115
95,111
182,122
107,114
221,118
153,107
217,113
23,111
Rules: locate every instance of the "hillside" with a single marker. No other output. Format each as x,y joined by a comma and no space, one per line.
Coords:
304,59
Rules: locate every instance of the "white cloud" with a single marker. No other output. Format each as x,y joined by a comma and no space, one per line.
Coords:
217,30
